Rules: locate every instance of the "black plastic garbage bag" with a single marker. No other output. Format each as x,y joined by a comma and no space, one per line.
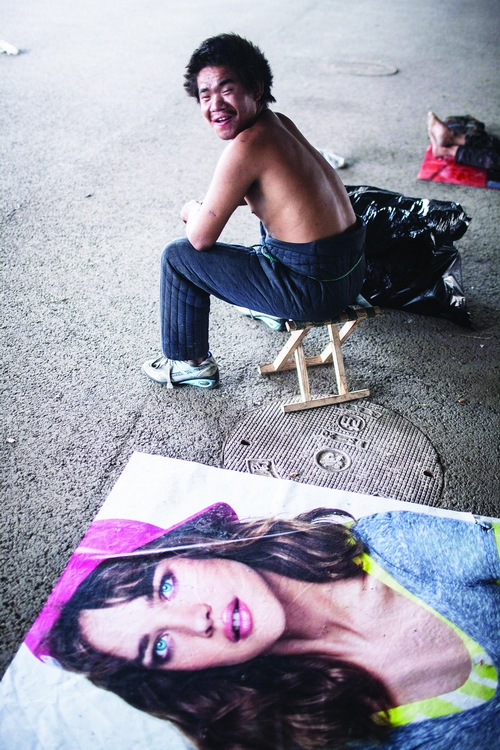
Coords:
411,262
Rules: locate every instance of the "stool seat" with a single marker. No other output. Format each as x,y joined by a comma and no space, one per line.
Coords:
292,355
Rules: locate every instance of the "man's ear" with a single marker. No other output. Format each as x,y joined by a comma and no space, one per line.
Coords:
259,90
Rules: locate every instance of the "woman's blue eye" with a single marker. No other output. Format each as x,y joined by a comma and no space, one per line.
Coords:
161,648
167,586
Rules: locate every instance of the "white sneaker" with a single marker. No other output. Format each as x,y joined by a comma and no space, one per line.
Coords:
172,372
275,324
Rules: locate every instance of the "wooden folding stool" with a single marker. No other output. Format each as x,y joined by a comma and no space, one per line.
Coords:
349,320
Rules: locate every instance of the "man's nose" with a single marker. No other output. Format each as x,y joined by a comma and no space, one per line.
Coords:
217,101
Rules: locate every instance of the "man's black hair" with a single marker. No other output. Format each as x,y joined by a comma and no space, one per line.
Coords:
235,52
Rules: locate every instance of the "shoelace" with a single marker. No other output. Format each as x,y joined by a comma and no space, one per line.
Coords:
169,373
163,362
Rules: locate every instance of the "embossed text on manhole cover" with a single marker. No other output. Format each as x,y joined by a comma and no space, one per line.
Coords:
331,459
359,447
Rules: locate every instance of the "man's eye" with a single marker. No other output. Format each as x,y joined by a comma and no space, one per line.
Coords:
167,586
161,648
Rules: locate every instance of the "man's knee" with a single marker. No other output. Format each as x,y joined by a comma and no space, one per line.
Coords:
175,249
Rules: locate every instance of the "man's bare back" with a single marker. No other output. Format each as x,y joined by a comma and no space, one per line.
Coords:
298,196
269,165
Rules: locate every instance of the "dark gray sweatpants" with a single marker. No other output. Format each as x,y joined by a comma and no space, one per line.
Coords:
303,281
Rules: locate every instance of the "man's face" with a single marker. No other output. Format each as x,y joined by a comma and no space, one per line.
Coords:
225,104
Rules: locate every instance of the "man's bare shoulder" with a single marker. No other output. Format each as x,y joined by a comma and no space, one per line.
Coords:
272,132
265,131
286,121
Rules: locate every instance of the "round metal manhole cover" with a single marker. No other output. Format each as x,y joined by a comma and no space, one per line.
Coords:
363,68
361,448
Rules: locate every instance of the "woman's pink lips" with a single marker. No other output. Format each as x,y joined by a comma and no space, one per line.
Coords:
237,621
246,623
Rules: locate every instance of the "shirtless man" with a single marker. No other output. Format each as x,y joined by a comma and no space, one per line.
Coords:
310,264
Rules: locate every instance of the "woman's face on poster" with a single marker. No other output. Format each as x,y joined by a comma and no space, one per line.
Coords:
202,613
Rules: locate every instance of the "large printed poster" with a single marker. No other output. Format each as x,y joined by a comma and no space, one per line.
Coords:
217,610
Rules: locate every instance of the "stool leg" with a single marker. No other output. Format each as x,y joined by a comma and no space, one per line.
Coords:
338,359
283,361
348,328
300,363
326,355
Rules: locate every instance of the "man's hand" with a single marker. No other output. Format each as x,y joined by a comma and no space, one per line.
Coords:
187,208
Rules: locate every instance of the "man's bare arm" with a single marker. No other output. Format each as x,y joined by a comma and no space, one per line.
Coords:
233,176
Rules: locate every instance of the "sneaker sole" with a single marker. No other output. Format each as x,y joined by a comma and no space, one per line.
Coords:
206,383
201,382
